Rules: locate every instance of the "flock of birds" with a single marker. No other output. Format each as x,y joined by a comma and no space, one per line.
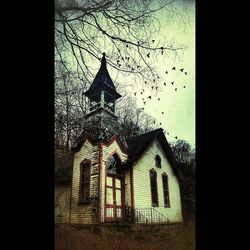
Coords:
156,88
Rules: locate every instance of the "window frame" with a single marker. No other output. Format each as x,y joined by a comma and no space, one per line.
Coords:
154,190
82,184
158,161
165,190
119,161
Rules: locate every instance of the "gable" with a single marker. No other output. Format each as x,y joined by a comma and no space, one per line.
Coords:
147,159
138,145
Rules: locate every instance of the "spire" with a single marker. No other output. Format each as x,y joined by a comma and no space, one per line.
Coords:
102,81
103,62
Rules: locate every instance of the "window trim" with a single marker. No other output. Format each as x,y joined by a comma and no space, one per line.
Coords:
156,188
80,201
166,176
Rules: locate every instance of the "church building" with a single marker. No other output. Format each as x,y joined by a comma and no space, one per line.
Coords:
112,179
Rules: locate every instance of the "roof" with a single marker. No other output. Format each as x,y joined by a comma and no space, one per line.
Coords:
102,81
138,145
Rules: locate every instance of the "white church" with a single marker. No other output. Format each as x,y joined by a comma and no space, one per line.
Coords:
113,180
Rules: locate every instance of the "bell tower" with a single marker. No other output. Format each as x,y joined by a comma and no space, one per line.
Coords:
102,96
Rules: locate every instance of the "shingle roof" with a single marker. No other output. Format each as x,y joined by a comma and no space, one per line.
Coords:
138,144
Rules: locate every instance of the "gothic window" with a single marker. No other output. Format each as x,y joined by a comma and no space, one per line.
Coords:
153,186
158,161
114,165
165,190
85,182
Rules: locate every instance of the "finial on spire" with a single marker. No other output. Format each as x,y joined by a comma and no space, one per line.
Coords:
103,61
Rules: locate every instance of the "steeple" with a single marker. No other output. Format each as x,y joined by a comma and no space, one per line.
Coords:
102,96
102,92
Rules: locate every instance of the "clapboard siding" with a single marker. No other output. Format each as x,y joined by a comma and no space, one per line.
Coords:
128,189
142,192
82,213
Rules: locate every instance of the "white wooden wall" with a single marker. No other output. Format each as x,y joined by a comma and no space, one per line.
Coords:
142,192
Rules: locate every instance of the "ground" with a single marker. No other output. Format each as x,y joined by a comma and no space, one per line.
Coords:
181,238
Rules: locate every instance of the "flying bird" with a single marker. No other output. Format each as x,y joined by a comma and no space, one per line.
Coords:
149,97
142,108
176,137
144,102
141,93
186,73
166,72
184,87
126,45
162,113
164,83
181,70
152,87
148,55
173,68
156,87
172,83
153,41
158,99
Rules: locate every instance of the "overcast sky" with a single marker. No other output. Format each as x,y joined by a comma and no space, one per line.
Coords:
178,106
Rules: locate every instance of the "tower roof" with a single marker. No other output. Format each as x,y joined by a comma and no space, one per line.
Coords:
102,81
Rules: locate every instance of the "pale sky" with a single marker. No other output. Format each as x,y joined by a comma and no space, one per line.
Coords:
178,106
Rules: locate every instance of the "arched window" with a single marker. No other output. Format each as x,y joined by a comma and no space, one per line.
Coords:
114,165
85,181
165,190
158,161
153,186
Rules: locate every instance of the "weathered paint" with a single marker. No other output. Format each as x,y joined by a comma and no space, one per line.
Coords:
142,192
82,213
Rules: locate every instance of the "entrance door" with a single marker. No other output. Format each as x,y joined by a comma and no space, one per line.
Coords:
114,201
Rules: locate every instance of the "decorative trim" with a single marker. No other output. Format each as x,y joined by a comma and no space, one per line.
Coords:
115,138
99,180
132,187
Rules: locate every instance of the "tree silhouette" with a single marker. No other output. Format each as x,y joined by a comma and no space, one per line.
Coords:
127,31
